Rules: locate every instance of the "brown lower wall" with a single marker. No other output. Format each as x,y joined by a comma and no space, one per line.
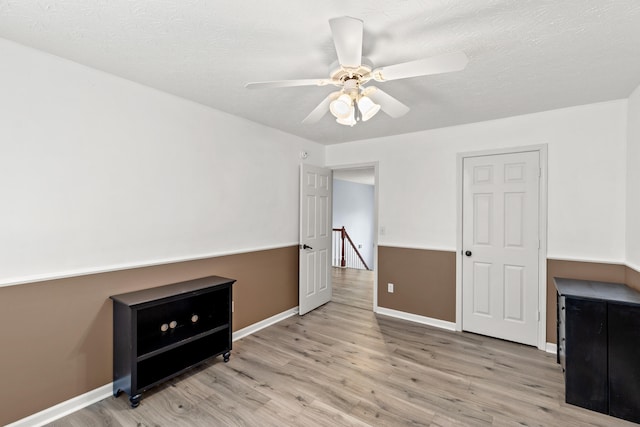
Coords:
632,278
56,336
424,281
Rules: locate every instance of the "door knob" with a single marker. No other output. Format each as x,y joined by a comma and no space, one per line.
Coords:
468,253
305,246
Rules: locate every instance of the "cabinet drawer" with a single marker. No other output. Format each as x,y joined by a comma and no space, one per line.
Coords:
562,345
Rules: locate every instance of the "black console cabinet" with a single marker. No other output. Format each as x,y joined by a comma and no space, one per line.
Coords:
161,332
599,346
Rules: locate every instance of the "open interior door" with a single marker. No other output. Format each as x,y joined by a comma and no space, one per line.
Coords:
315,237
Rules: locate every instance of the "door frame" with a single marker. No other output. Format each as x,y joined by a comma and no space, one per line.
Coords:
375,166
542,252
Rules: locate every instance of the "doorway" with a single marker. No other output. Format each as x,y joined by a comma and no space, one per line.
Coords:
354,240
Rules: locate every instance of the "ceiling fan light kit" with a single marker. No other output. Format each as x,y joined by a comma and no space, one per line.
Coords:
367,107
350,120
353,101
341,107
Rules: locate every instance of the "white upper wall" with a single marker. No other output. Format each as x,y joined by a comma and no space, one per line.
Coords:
586,191
633,181
99,173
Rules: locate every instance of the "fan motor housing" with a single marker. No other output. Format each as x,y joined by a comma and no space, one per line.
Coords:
341,74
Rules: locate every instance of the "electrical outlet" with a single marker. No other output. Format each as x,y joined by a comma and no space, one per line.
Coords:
233,306
390,288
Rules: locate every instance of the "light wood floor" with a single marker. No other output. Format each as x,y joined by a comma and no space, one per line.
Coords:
353,287
342,365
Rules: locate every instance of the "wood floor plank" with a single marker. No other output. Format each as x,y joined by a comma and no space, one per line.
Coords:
343,365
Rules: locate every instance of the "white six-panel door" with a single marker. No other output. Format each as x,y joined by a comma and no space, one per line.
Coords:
315,237
500,242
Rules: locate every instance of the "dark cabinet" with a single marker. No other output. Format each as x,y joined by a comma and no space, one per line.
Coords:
161,332
599,346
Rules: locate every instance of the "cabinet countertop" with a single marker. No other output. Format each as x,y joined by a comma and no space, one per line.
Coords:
167,291
611,292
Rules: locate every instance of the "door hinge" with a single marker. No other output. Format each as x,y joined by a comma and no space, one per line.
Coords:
538,316
539,172
539,244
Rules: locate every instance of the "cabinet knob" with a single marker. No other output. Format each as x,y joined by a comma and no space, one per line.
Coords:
194,318
173,324
164,327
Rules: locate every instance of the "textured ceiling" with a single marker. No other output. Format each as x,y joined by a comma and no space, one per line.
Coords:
525,55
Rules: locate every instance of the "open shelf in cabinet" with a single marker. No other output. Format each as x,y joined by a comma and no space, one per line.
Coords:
162,366
193,315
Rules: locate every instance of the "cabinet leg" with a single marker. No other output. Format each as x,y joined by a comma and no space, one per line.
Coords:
226,356
135,400
117,393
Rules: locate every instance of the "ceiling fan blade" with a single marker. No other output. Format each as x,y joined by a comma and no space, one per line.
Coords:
387,103
347,37
422,67
288,83
321,109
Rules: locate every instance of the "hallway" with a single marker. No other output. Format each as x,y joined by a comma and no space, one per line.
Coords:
353,287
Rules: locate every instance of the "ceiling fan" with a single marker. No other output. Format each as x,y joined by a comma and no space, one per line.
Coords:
353,101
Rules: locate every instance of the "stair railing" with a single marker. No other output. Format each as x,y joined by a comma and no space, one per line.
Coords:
345,253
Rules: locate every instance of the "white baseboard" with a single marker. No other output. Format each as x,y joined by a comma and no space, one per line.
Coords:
450,326
74,404
251,329
551,348
65,408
